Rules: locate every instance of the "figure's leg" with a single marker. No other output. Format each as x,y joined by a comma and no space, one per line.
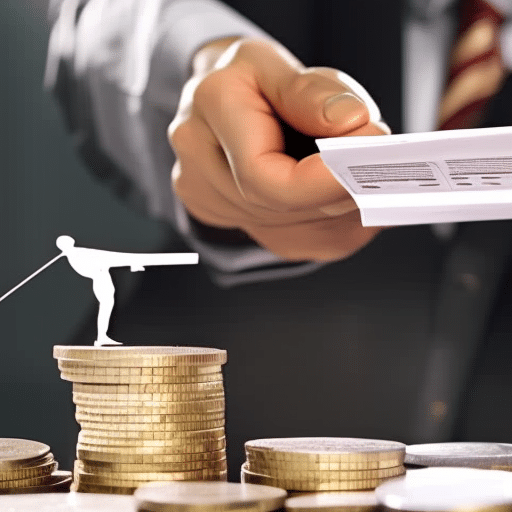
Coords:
104,290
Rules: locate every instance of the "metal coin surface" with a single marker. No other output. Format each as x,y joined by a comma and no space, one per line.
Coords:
130,458
69,502
174,356
131,479
309,485
18,453
476,455
209,497
320,463
109,468
327,449
199,396
357,501
126,367
88,378
444,489
29,472
195,406
291,473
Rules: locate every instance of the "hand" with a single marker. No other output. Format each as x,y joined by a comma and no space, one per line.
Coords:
232,170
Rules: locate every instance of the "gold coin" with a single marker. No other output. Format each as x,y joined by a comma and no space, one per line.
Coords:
136,479
185,427
126,368
194,387
328,449
29,472
58,481
154,447
198,415
158,397
150,455
208,497
18,453
171,419
126,442
119,414
214,433
255,458
171,356
195,406
291,473
110,468
312,485
24,482
346,501
151,460
125,429
154,379
146,475
181,446
132,436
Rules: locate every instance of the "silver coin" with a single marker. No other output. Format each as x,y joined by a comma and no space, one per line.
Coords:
477,455
208,497
445,489
67,502
333,501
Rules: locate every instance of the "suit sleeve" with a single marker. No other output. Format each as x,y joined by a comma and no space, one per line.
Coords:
117,68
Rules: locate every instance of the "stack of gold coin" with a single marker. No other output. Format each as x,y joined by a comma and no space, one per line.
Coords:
322,463
146,414
29,467
208,497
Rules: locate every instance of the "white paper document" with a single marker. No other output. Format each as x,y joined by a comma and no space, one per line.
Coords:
423,178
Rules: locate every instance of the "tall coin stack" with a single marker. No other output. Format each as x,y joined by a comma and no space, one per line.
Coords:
146,414
322,463
29,467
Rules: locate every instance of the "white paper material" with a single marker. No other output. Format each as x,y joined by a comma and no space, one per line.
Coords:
423,178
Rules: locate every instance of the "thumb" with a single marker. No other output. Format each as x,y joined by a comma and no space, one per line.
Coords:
318,102
324,102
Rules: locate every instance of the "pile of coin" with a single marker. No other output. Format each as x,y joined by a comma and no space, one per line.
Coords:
208,497
322,464
29,467
146,414
462,454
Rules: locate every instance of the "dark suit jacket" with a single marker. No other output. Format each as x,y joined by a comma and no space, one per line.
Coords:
362,348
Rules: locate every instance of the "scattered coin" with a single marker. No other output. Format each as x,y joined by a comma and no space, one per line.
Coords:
357,501
208,497
476,455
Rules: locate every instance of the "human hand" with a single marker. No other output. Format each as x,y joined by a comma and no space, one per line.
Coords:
232,170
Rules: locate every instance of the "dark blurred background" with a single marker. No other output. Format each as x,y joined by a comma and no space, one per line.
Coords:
44,192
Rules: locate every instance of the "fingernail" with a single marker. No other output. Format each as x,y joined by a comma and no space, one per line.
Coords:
343,107
337,209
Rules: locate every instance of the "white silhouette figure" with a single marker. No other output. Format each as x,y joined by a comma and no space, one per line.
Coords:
95,264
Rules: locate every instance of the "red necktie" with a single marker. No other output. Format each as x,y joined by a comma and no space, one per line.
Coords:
476,70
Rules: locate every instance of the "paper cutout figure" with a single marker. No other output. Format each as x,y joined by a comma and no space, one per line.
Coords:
95,264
